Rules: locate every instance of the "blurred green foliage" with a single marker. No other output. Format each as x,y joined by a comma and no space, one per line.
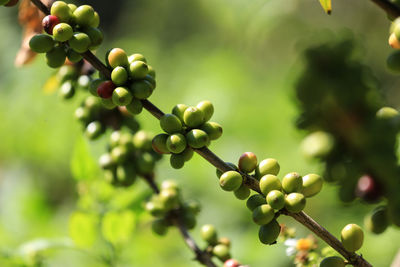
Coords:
245,57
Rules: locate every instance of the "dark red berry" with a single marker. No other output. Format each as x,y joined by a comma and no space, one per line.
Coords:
106,89
368,189
231,263
49,22
11,3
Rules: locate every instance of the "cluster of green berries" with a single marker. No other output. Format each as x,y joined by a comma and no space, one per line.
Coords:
168,201
71,78
70,31
129,155
186,128
8,3
132,80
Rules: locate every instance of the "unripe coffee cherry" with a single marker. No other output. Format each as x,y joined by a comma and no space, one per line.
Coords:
179,110
230,181
192,206
159,144
209,234
193,117
221,252
292,182
247,162
135,107
108,103
67,90
49,22
61,10
152,72
106,89
269,182
145,163
106,161
207,108
231,263
197,138
74,57
55,58
170,123
83,15
62,32
119,154
387,113
352,237
41,43
317,144
254,201
169,198
119,76
267,166
242,193
189,220
159,227
121,96
295,202
176,143
79,42
141,89
138,70
72,7
82,114
393,61
263,214
269,233
333,261
94,130
230,164
187,153
155,208
95,35
378,221
136,57
276,199
117,57
177,161
368,189
95,21
312,185
170,184
142,141
224,241
126,174
213,130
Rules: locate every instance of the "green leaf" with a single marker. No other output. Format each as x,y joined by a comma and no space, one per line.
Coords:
83,166
117,227
83,228
326,5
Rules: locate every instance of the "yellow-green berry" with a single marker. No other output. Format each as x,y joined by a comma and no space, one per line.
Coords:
352,237
269,233
263,214
230,180
312,185
292,182
269,182
267,166
295,202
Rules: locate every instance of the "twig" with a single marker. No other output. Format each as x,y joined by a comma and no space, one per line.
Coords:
390,8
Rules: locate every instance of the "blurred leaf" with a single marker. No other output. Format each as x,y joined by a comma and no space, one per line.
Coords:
38,245
83,167
117,227
82,228
326,5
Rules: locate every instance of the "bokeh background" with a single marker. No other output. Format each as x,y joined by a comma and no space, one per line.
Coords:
245,57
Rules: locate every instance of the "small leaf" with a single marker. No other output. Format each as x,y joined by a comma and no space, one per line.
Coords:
117,227
82,228
83,166
326,5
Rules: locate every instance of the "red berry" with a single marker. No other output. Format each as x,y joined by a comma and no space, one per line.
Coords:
368,189
106,89
231,263
49,22
11,3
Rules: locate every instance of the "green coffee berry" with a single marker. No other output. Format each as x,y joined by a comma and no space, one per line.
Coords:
177,161
192,206
317,144
66,73
84,82
221,252
94,85
267,166
95,35
152,72
94,130
108,103
269,233
254,201
142,140
230,180
151,81
121,96
135,107
136,57
170,123
276,199
179,110
55,58
119,76
393,61
312,185
74,57
269,182
41,43
189,220
82,114
378,221
263,214
187,154
334,261
170,184
352,237
295,202
72,7
169,198
83,15
155,208
213,129
79,42
138,70
95,21
117,57
176,143
247,162
193,117
207,108
292,182
145,163
224,241
141,89
126,174
126,141
119,154
197,138
62,32
159,144
106,161
67,90
115,138
242,193
230,164
209,234
61,10
387,113
159,227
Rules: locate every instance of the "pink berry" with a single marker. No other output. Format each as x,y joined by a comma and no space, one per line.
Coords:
368,189
247,162
106,89
49,22
231,263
